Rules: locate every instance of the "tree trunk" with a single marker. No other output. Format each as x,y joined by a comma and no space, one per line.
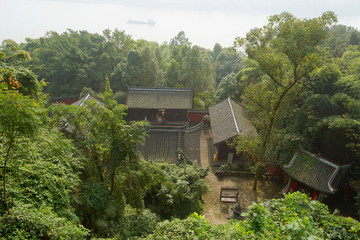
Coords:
4,173
257,175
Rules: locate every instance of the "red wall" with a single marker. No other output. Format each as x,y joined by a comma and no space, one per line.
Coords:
196,116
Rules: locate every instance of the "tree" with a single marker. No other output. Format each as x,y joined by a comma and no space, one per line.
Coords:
285,51
227,61
227,88
151,74
179,40
133,68
176,191
339,38
172,74
107,85
117,77
114,175
196,73
216,50
76,59
19,116
13,69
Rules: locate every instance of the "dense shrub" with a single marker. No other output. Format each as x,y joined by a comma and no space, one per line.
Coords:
28,222
137,223
293,217
178,192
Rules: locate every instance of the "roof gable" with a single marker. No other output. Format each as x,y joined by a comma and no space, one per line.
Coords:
81,102
316,172
227,119
155,98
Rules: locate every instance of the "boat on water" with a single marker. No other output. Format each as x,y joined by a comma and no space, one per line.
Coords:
140,22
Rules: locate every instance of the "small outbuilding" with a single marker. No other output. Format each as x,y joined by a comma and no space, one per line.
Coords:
314,173
159,105
227,119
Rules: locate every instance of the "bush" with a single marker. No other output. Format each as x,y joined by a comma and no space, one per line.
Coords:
179,191
137,223
194,227
28,222
44,170
293,217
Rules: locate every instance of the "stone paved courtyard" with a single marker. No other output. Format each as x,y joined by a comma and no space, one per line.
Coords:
218,213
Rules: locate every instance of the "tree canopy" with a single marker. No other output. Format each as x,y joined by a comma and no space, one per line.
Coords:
285,51
73,172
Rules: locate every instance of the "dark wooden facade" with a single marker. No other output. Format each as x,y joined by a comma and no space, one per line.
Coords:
152,115
159,105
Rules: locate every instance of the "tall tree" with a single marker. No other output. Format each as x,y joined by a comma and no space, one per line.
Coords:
227,61
113,174
285,50
173,74
339,38
196,73
216,50
179,40
19,116
133,68
151,74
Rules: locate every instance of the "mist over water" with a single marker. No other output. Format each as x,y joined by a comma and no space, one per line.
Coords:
204,24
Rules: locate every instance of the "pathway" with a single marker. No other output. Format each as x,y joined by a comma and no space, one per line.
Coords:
216,212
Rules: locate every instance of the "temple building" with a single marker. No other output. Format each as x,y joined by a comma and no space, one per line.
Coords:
314,174
227,119
168,110
159,105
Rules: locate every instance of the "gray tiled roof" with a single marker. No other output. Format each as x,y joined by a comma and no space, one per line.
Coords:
87,97
316,172
227,119
161,144
155,98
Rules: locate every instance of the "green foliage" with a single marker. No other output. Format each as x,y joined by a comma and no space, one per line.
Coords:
28,222
44,170
177,191
120,97
113,172
285,62
193,227
226,62
196,72
137,223
293,217
179,40
39,170
295,92
339,38
173,74
19,116
14,72
142,68
228,87
198,104
76,59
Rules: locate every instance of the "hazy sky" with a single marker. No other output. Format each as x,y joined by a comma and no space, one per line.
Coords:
205,22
